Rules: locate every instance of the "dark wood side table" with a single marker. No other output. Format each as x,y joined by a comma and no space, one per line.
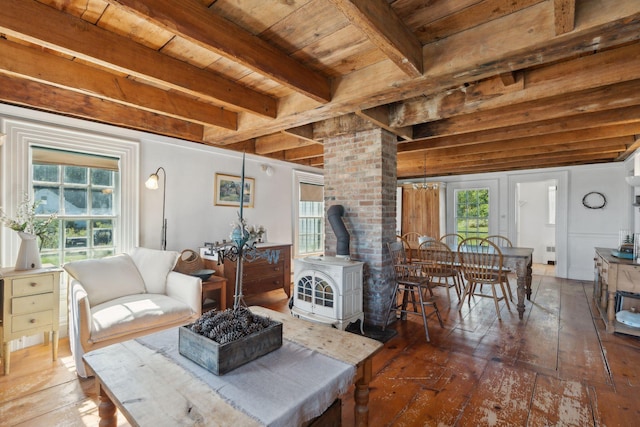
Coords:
214,283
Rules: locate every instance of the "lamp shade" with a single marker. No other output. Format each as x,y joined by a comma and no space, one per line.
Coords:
152,182
633,181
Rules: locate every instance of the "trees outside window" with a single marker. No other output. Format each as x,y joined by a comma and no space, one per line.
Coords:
83,198
472,212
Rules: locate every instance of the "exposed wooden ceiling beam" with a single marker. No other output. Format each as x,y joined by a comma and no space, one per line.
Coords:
553,141
380,117
199,24
508,78
32,64
310,151
383,27
563,78
449,102
468,17
618,117
317,162
304,132
52,99
630,149
565,15
557,106
341,125
49,27
248,146
524,162
508,153
278,142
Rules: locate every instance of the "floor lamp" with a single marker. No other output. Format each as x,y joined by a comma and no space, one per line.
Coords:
152,184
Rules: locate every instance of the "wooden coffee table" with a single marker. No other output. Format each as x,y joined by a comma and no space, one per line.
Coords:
131,368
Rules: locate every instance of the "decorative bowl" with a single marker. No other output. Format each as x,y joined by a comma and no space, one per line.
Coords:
203,274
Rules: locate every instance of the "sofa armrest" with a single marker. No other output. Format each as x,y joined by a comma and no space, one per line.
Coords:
187,289
79,324
80,313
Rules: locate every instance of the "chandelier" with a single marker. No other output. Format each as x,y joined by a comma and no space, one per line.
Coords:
425,185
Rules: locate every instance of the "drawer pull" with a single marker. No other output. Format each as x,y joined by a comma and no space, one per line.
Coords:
604,270
33,284
32,321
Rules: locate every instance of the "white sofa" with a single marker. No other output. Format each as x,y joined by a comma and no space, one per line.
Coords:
125,296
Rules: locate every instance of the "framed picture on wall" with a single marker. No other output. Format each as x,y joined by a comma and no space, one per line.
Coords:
227,191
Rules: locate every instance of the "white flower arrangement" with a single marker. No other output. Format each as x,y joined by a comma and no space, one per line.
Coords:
26,221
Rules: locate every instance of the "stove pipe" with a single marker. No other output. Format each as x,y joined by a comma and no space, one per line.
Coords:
334,214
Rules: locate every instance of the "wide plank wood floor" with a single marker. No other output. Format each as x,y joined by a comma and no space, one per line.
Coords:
556,367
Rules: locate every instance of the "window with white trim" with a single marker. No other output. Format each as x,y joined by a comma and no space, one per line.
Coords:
81,189
17,170
472,212
309,214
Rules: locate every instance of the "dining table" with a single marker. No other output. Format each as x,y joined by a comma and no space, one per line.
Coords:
519,260
516,259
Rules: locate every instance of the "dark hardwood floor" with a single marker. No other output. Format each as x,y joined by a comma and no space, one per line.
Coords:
556,367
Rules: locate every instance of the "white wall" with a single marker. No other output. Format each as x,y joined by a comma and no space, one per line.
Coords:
596,227
191,214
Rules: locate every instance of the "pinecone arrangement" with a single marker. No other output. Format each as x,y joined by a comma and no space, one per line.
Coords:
229,325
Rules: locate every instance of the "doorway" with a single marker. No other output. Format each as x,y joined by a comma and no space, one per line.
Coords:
538,218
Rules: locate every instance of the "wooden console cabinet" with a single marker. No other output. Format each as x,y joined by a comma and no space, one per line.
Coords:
614,274
259,276
30,305
423,211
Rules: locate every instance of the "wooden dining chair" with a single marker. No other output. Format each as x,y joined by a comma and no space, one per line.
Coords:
452,240
407,247
438,264
482,264
503,242
412,285
412,237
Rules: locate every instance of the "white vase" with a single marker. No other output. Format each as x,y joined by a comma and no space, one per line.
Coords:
29,255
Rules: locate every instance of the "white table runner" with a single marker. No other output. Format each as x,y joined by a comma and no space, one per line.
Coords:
283,388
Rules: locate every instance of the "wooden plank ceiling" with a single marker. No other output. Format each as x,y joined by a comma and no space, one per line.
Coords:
466,85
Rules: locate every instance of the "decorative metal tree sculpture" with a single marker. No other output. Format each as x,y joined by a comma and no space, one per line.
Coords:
242,247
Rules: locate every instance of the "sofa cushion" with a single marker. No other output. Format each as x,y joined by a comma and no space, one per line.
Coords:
107,278
135,313
154,266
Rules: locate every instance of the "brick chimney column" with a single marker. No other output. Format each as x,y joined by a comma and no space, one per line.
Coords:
360,173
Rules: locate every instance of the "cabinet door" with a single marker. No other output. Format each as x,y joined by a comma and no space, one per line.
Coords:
421,211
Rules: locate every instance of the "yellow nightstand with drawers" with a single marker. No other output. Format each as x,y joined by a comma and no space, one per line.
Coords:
30,305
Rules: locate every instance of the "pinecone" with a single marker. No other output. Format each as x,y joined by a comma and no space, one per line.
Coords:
229,325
